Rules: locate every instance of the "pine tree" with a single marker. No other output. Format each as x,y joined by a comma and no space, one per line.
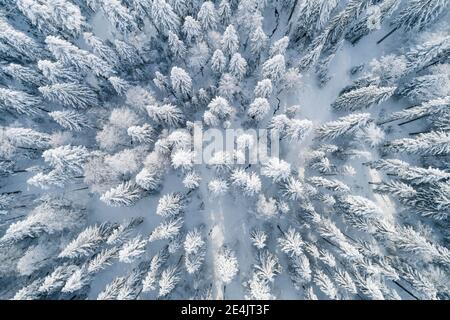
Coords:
431,52
142,134
237,66
132,250
177,46
342,126
330,184
372,20
218,62
181,82
101,49
53,16
191,180
158,260
226,265
67,158
86,242
24,74
207,15
258,289
300,270
166,114
291,242
427,87
363,98
128,53
170,205
224,12
164,17
47,218
333,33
56,280
122,232
191,29
311,17
276,169
263,88
279,47
118,16
258,109
57,72
54,178
228,86
274,68
125,194
325,285
258,40
26,138
120,85
70,94
418,14
20,102
268,266
169,279
359,206
17,44
412,174
230,40
249,183
297,130
168,229
433,143
181,7
77,58
258,238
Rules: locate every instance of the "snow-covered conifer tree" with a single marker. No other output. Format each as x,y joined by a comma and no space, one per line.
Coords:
191,28
274,68
70,94
258,109
177,46
181,82
259,151
218,61
418,14
125,194
344,125
77,58
207,15
363,98
226,264
19,101
230,40
433,143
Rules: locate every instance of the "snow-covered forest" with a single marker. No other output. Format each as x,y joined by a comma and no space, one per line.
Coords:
100,196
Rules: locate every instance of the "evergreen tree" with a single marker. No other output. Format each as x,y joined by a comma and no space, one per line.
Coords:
218,62
418,14
17,44
230,40
433,143
342,126
207,16
274,68
70,94
191,29
77,58
18,101
125,194
363,98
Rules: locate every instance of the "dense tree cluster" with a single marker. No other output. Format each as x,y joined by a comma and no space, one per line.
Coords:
99,102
